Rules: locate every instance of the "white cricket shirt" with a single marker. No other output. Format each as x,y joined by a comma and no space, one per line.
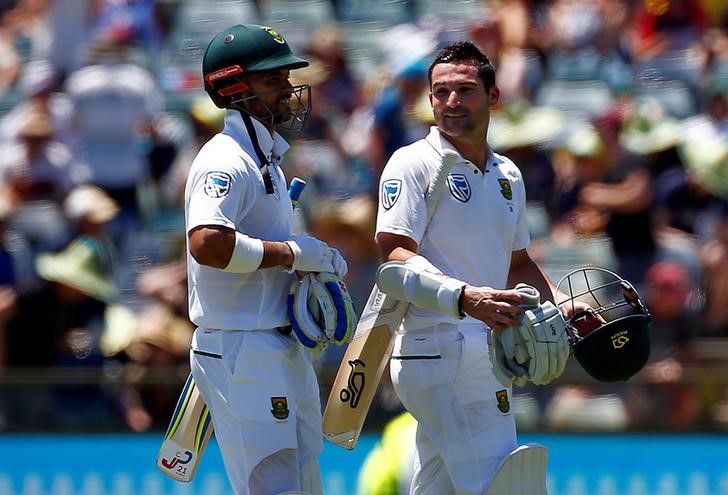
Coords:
225,187
479,222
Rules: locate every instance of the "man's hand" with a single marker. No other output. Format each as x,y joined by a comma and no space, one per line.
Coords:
498,309
313,255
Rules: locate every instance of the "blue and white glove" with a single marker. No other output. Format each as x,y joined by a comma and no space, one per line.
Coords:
320,311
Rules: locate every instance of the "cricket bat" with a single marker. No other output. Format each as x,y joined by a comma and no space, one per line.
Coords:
191,426
187,435
366,356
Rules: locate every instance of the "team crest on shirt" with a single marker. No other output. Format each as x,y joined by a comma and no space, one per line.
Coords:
506,190
217,184
390,192
501,397
459,187
280,407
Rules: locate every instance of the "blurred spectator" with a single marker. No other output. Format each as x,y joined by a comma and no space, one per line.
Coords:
206,121
81,282
635,151
68,32
133,21
39,89
37,167
582,40
113,151
522,131
159,338
662,26
686,211
715,115
27,23
663,401
401,111
338,91
714,257
10,61
397,119
576,236
318,152
8,295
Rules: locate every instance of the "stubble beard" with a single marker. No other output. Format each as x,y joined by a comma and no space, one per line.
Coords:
460,128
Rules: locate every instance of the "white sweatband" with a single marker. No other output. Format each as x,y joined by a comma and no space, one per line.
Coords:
247,255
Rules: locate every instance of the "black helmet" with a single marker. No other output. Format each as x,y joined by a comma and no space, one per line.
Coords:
611,340
241,50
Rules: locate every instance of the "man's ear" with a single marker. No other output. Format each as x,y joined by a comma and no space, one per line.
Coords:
493,95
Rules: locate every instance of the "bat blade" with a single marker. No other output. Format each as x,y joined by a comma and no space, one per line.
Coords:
361,369
189,432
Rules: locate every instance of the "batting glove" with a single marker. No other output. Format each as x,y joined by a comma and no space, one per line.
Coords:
311,254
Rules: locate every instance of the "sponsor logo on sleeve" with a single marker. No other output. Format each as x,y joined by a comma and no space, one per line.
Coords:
390,192
217,184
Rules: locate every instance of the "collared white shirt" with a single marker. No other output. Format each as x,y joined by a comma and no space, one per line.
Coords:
479,221
225,187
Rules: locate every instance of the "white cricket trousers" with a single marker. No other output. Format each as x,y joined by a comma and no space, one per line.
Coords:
465,423
263,396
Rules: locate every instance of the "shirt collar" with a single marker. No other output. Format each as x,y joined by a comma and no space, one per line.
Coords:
274,147
438,141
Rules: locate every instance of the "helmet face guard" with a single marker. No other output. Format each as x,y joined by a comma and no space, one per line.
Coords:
300,108
611,340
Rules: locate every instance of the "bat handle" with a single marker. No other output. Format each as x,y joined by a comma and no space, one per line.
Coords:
295,189
294,192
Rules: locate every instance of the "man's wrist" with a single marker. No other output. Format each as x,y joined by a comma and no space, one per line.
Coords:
461,301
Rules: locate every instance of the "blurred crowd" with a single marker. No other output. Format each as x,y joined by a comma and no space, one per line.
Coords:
616,111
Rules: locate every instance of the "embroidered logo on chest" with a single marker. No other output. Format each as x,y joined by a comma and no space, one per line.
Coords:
506,190
217,184
459,187
390,192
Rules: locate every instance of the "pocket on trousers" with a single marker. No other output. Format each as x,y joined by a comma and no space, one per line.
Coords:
425,360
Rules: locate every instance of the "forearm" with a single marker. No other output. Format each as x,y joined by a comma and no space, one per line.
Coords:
527,271
276,254
225,249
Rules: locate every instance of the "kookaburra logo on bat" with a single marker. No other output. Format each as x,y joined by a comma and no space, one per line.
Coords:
355,384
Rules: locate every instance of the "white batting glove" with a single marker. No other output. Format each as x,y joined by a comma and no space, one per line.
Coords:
339,263
310,254
543,334
504,365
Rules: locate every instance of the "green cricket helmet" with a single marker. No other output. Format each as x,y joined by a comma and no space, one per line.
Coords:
242,50
610,340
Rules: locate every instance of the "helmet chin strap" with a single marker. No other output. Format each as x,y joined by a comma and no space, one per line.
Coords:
297,119
264,163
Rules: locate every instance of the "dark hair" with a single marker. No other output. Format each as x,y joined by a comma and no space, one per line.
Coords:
466,51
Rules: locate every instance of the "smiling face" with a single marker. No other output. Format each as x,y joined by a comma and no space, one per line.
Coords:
271,91
460,101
